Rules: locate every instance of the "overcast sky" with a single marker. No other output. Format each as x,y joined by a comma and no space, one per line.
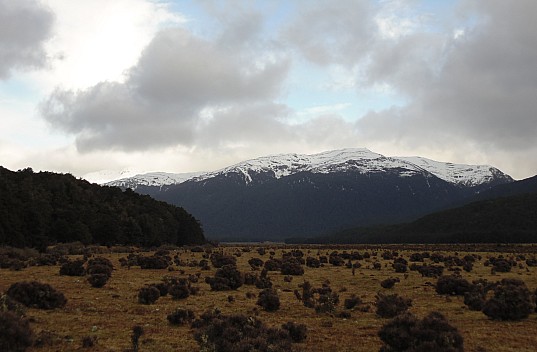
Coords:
181,86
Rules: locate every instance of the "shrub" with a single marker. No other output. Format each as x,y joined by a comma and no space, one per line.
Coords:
431,270
273,265
474,299
37,295
181,316
179,291
313,262
148,295
268,299
153,262
98,280
263,282
255,263
8,304
511,301
100,261
389,283
137,332
292,266
226,278
74,268
502,266
336,260
352,302
388,306
89,341
250,278
298,332
400,267
452,285
15,333
327,300
406,333
221,333
162,287
219,260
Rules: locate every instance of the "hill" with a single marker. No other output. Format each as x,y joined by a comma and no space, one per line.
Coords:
503,220
39,209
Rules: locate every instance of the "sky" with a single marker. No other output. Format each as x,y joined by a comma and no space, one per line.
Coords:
183,86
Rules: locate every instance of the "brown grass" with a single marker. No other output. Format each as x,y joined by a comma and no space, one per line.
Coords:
109,313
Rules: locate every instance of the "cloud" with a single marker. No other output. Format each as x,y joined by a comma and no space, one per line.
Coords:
177,77
332,32
477,88
24,27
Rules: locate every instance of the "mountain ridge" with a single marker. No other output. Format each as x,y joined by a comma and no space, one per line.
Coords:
358,159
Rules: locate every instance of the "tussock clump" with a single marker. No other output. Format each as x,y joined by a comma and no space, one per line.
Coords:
222,333
269,300
388,306
148,295
406,333
389,283
226,278
73,268
37,295
181,316
15,333
511,301
452,285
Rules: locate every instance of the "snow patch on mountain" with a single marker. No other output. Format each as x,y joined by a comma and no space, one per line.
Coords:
158,179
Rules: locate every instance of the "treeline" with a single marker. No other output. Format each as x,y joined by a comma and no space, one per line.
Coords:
502,220
40,209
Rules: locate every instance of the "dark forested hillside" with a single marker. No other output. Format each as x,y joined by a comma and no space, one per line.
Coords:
506,220
38,209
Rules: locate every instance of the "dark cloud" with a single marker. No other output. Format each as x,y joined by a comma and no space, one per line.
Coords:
161,103
24,26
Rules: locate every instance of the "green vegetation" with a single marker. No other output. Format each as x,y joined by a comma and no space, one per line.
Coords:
41,209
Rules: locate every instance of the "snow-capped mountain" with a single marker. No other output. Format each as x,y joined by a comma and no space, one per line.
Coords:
279,196
359,160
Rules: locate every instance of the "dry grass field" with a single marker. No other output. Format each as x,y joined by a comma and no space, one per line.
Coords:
110,312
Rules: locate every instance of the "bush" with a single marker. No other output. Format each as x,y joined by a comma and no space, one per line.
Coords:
313,262
179,291
336,260
511,301
269,300
431,270
15,333
292,266
452,285
153,262
406,333
255,263
219,260
389,283
74,268
352,302
388,306
98,280
221,333
273,265
37,295
400,267
181,316
474,299
298,332
226,278
148,295
502,266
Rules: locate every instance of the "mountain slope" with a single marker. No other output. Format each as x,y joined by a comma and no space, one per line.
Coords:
38,209
274,197
510,219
